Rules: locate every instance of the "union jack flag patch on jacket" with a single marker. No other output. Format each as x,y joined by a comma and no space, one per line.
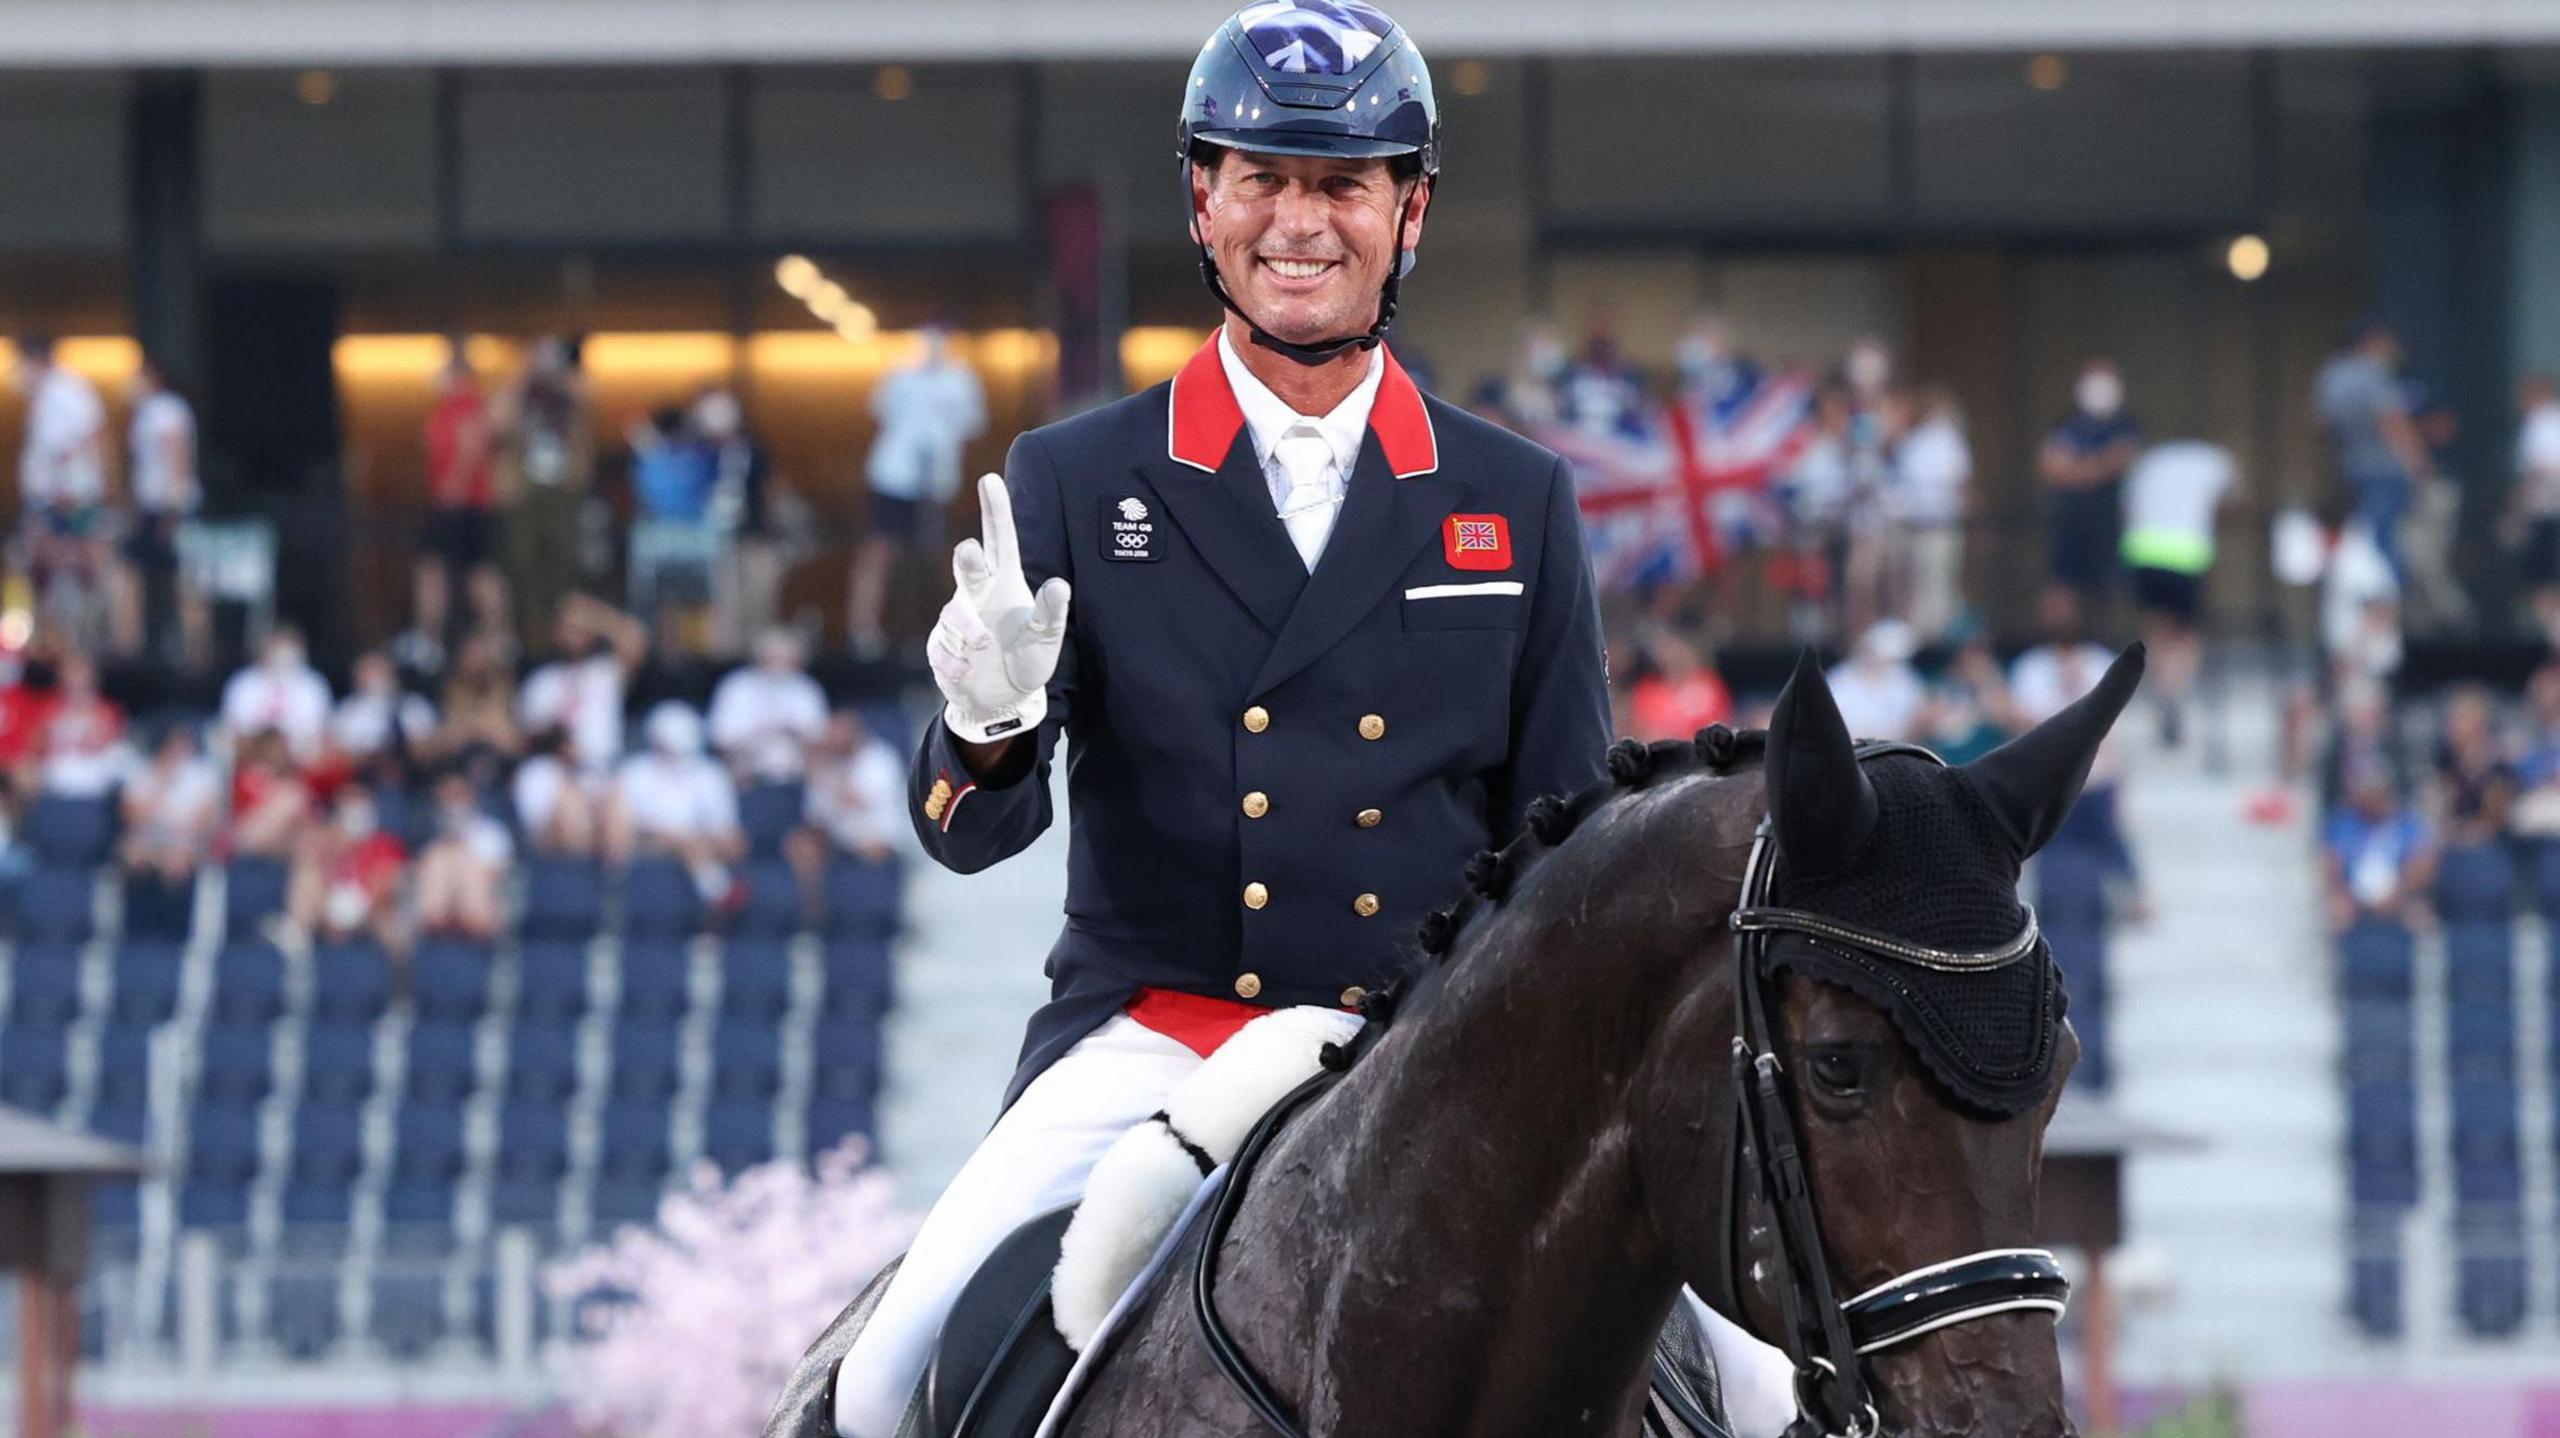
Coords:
1477,541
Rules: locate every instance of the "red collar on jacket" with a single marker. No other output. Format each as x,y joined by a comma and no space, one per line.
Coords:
1204,417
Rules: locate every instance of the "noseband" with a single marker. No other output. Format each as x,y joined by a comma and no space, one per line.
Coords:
1827,1339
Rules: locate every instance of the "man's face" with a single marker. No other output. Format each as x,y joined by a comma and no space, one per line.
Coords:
1304,244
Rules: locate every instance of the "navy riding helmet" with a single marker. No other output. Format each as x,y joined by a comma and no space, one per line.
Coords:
1311,77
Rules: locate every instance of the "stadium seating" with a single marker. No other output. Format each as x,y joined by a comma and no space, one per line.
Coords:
656,977
35,1070
563,899
253,893
449,978
59,904
542,1062
71,833
248,982
768,813
659,900
442,1064
773,905
755,978
351,981
551,979
337,1062
44,984
147,974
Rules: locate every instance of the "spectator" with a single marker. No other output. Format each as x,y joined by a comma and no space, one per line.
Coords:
747,589
480,700
582,689
461,539
1816,491
2533,507
2170,501
1532,396
271,803
280,693
1967,704
346,876
2477,786
2381,455
2067,665
765,715
675,540
2433,599
2083,464
1601,395
672,801
380,726
556,797
172,809
2377,858
928,412
1680,693
2360,610
2535,814
857,795
1879,693
79,749
546,468
463,866
62,485
1933,479
151,597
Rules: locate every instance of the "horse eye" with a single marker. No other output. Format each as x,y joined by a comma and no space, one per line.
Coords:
1836,1072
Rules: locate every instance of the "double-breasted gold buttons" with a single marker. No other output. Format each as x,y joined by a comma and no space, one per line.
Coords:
1256,719
1366,906
1255,895
1248,985
1256,804
1372,727
1369,818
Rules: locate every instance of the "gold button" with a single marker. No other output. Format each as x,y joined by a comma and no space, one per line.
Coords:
1370,818
1256,719
1256,804
1352,996
1366,906
1372,727
1248,985
1255,896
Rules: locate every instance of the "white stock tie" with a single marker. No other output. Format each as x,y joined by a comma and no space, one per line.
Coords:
1307,509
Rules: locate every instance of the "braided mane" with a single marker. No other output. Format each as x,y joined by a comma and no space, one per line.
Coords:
1551,821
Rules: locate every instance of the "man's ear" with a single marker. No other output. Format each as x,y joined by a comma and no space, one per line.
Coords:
1200,179
1417,205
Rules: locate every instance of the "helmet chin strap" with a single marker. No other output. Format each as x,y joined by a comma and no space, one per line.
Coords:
1323,351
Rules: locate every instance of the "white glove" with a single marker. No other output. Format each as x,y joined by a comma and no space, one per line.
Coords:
996,645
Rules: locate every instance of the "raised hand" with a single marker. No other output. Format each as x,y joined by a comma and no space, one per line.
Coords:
996,644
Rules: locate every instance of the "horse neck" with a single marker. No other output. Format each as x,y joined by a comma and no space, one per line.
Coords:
1507,1136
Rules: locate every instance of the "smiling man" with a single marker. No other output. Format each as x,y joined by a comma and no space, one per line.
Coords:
1313,638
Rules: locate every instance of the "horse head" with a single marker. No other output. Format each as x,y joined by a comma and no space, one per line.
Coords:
1913,1026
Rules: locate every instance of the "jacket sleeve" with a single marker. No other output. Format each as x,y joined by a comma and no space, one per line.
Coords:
1560,688
967,825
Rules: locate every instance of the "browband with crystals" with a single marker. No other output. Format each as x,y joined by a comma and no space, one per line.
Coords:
1771,919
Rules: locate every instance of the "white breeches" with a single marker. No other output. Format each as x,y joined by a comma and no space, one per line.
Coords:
1036,1158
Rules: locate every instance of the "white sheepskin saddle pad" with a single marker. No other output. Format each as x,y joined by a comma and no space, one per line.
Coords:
1142,1183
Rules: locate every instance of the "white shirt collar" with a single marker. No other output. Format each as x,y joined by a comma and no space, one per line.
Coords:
1267,416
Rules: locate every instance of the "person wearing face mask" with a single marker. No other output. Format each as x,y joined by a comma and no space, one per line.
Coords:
747,582
927,411
346,876
675,539
460,540
674,801
2083,464
160,468
280,694
62,482
546,454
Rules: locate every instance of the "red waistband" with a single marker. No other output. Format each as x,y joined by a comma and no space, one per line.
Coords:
1197,1022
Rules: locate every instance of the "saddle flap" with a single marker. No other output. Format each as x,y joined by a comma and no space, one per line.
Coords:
1000,1359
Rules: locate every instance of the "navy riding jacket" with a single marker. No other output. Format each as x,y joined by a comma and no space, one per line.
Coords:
1272,775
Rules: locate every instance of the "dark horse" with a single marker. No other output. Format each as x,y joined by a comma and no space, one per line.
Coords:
1480,1229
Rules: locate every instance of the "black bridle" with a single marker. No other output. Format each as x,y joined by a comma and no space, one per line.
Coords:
1829,1340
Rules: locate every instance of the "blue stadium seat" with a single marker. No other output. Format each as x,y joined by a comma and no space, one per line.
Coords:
656,977
442,1064
327,1153
59,905
44,984
859,980
147,973
350,981
248,982
253,892
768,813
302,1312
533,1154
773,908
2476,883
2376,959
2489,1272
2373,1274
35,1072
2481,1040
634,1145
563,899
71,833
2480,960
426,1159
542,1062
832,1121
2487,1149
484,1313
864,899
845,1058
449,978
614,1202
737,1134
408,1317
644,1061
337,1062
115,1205
222,1157
239,1065
755,978
2382,1144
157,909
124,1065
551,980
746,1059
659,900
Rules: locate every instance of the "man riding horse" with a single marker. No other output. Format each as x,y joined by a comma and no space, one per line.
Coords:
1328,637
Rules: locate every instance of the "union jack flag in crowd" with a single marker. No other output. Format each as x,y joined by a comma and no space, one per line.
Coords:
1634,506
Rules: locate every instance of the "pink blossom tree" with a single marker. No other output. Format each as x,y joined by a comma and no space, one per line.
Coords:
691,1327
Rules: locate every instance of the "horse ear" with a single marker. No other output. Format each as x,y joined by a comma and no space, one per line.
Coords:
1823,804
2032,781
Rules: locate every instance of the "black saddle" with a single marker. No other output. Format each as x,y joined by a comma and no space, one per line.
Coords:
1000,1361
